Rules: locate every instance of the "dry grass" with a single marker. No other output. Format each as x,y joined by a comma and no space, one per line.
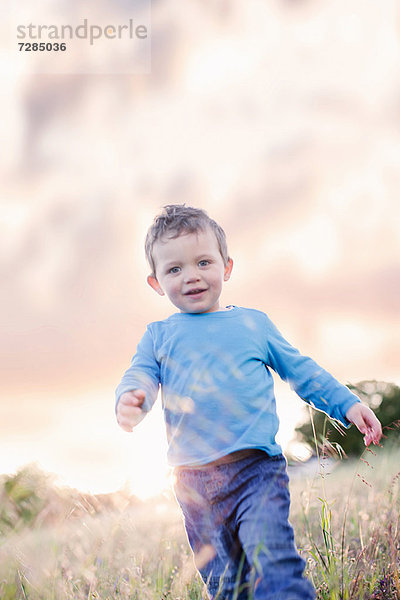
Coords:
71,546
347,524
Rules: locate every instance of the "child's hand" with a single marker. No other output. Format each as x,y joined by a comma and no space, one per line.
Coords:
129,411
366,422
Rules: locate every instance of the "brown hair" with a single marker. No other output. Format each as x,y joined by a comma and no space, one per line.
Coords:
178,218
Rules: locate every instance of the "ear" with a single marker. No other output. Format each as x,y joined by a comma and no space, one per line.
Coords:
228,269
153,283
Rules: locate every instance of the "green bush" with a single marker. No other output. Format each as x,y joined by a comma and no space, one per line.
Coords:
382,397
22,499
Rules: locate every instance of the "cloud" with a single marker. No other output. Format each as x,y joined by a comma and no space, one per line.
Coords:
283,138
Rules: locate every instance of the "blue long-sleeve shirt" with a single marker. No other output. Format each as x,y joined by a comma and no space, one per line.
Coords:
217,388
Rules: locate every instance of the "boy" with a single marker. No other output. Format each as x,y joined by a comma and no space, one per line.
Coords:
217,392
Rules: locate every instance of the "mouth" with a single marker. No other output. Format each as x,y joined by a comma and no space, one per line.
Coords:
195,292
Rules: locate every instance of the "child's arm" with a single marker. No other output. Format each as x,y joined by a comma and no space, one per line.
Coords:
138,389
366,422
129,409
317,387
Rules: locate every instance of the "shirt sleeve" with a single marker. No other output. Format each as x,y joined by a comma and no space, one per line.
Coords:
143,373
311,382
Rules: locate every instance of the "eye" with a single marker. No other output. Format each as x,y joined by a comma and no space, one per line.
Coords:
204,263
174,270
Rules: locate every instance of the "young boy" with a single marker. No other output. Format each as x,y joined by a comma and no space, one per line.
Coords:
213,364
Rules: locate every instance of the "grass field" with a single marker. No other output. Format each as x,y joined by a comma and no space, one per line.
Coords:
62,545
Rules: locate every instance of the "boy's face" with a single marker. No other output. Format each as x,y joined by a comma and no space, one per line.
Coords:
190,271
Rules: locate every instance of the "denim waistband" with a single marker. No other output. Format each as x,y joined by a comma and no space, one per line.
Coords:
224,460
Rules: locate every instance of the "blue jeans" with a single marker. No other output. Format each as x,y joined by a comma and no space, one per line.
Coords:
236,520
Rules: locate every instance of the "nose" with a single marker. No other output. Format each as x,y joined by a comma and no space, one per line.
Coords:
191,275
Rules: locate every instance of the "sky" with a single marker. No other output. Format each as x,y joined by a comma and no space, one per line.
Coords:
281,119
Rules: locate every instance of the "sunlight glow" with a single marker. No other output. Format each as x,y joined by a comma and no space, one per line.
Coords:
362,342
312,245
220,63
299,451
81,444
